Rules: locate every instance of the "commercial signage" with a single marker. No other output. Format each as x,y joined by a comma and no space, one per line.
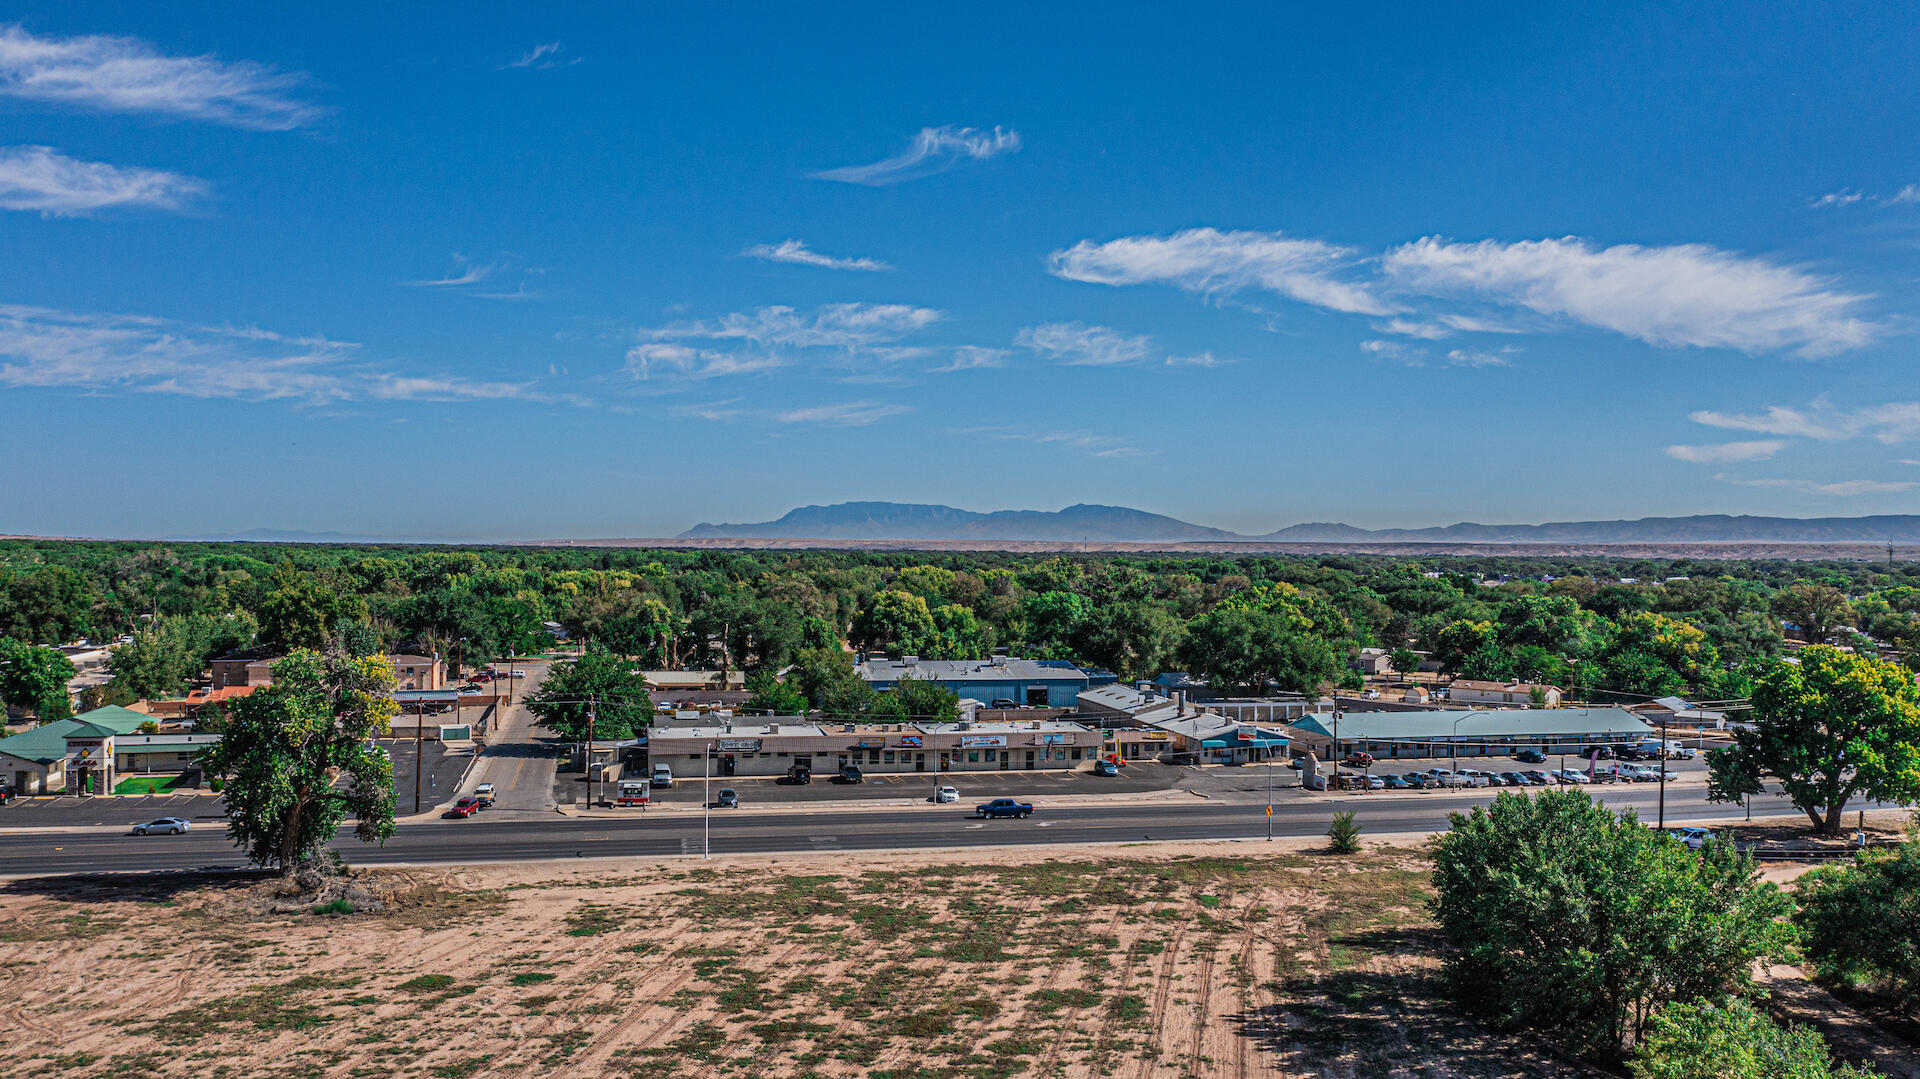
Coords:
739,745
88,751
1156,736
1058,739
982,741
870,743
909,741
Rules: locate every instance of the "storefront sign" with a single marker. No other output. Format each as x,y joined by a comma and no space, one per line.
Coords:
1155,736
982,741
1059,739
870,743
909,741
87,752
739,745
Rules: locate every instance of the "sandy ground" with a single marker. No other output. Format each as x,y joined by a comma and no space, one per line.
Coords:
1163,961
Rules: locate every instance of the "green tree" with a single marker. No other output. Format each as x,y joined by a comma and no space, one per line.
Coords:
1405,660
1568,919
1701,1039
1862,921
918,700
49,605
827,678
298,757
772,697
154,665
302,612
957,634
1833,727
1462,638
618,695
1054,624
1135,639
1815,608
34,678
1234,648
896,621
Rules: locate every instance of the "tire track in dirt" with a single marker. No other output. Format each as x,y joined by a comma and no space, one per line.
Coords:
601,1048
1249,1028
1054,1046
1157,1013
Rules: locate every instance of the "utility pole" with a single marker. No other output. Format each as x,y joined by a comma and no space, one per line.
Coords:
1663,771
419,721
706,791
590,718
1269,799
509,677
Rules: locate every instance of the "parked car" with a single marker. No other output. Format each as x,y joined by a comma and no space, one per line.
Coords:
1633,753
1455,779
946,794
1396,783
163,826
662,776
848,774
1604,777
1419,780
797,775
1682,753
1603,753
1515,779
1297,763
1374,783
1692,837
1358,760
729,799
465,807
1476,778
1572,776
1003,702
1104,767
519,674
1531,756
1536,777
484,795
1003,807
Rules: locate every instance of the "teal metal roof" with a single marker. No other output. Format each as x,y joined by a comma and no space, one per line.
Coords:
1475,724
48,742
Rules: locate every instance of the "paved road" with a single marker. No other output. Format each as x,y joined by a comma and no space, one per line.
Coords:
518,760
498,838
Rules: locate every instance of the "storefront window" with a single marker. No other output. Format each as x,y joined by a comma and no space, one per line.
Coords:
887,757
973,755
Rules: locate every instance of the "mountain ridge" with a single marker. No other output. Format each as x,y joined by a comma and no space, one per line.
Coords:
1097,523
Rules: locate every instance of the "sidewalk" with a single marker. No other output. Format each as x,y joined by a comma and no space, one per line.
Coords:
786,808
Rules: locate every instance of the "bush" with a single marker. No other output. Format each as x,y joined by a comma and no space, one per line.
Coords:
1343,835
1862,921
338,906
1703,1040
1567,919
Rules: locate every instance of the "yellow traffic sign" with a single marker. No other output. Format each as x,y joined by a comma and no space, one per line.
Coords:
1269,811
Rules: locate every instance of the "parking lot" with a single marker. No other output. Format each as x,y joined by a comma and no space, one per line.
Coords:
1136,778
440,773
71,811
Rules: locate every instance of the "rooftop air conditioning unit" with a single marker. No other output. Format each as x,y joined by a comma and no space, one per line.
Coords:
909,661
772,728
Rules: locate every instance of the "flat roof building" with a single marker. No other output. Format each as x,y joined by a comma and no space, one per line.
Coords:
1465,732
1036,683
772,748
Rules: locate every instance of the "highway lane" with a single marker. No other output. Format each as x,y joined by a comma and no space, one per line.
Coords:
480,839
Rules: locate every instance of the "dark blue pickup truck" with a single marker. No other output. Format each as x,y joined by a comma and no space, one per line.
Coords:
1003,807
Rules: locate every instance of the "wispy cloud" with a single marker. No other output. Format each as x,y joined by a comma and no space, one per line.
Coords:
1688,294
124,74
100,353
1104,446
541,57
1213,262
41,180
669,358
972,358
717,411
1078,344
1844,197
1479,357
1726,452
1889,422
1907,194
1197,359
797,252
1395,352
934,149
470,273
846,414
834,325
1838,488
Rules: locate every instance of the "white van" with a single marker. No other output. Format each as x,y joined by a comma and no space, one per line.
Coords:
662,776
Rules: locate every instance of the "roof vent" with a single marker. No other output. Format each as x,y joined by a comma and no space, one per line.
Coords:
772,728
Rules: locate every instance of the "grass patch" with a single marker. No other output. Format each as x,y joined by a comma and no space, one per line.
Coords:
342,905
426,983
531,977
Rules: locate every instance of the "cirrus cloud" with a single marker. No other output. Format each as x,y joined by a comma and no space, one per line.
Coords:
934,149
1213,262
1726,452
39,179
124,74
1080,345
797,252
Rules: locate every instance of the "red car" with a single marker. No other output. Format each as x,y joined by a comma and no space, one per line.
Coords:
465,807
1358,760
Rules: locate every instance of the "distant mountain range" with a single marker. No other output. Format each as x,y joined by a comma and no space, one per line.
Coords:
1119,524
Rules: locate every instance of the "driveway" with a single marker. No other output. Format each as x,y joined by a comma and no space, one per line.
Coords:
518,759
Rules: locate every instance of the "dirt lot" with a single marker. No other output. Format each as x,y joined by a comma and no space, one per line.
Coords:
1160,962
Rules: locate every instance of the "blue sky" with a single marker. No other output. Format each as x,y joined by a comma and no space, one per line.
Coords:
496,272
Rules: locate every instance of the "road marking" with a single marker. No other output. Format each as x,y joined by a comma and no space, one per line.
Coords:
972,826
1045,824
689,846
822,840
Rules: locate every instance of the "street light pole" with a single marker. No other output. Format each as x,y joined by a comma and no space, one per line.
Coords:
419,720
1269,799
1663,772
706,789
590,718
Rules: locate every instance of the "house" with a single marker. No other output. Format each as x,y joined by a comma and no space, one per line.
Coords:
411,671
188,706
1033,683
1372,661
246,667
70,754
1502,694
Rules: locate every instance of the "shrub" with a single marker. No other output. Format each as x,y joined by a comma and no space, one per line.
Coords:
532,977
1862,921
426,983
1567,919
338,906
1343,835
1704,1040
